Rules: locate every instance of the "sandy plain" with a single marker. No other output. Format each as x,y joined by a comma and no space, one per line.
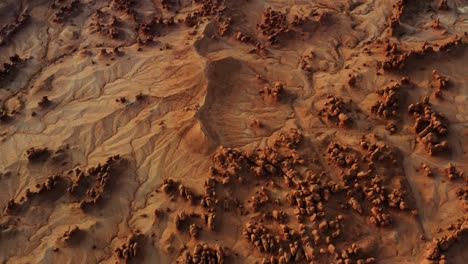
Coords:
233,131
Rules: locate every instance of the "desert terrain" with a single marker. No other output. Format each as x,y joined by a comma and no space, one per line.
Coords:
234,131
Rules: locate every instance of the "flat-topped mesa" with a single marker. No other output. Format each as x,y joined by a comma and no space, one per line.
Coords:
9,30
430,126
205,254
130,249
335,111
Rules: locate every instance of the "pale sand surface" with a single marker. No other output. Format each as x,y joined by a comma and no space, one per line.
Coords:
201,132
